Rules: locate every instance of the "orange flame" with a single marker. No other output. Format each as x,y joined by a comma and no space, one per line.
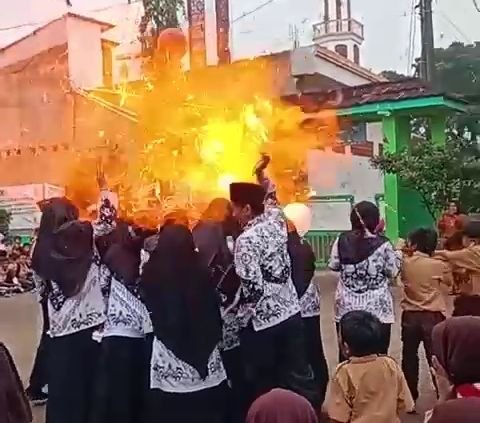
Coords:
198,133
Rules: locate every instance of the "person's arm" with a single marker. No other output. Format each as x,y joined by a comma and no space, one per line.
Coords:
248,269
334,262
393,261
463,259
337,406
107,211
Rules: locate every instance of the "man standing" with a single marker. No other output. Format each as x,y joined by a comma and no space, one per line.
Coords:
271,338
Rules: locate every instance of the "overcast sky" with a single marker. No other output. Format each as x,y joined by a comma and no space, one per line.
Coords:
387,24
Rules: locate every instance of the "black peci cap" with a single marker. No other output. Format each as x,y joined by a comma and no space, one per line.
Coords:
247,193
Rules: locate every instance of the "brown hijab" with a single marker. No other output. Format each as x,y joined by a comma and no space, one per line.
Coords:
463,410
456,345
281,406
14,406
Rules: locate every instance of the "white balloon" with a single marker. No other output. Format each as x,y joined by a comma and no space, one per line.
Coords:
300,215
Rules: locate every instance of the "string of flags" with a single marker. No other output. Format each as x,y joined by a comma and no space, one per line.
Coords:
47,149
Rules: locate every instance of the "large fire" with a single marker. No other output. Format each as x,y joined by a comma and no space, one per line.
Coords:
198,132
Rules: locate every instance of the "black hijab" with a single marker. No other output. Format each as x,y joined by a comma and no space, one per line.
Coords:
181,298
55,213
303,259
71,256
122,255
358,244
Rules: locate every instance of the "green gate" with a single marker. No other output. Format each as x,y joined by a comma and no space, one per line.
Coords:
321,242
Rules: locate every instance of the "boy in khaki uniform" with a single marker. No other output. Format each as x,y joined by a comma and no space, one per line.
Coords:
368,388
467,262
425,285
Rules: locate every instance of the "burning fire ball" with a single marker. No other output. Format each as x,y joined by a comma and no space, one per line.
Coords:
172,41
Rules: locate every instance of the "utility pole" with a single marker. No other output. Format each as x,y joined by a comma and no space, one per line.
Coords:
427,65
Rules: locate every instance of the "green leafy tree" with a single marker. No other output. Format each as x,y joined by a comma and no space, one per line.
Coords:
439,173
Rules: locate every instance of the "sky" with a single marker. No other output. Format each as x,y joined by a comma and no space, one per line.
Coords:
387,23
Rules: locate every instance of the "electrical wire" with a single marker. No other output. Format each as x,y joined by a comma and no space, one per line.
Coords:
251,12
45,21
476,5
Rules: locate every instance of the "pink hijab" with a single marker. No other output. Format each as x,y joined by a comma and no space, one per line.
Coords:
281,406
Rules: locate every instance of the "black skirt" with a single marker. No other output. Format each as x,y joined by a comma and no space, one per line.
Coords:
73,360
122,380
206,406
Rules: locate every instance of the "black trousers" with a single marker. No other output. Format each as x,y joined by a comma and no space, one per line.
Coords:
39,375
73,361
417,328
206,406
238,395
276,357
315,354
382,348
122,382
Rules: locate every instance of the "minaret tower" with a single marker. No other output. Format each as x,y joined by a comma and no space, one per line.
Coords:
338,31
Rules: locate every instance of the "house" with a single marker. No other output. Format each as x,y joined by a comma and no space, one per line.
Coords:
59,93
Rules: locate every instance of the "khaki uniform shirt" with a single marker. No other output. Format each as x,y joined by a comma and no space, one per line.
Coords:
368,389
467,261
425,281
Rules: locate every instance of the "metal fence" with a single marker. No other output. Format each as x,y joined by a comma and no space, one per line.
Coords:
321,242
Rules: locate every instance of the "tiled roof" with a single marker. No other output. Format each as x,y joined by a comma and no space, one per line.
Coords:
346,97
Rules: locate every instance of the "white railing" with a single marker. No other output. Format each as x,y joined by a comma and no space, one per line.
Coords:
335,26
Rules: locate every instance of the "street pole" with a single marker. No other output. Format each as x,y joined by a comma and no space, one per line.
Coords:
427,68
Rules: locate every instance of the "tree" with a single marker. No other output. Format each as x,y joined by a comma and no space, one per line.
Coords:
439,173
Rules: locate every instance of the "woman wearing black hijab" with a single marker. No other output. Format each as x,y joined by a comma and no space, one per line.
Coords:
67,264
188,380
122,382
367,262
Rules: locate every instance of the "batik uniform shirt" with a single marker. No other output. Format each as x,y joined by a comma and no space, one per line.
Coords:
268,295
127,316
366,285
170,374
87,309
310,302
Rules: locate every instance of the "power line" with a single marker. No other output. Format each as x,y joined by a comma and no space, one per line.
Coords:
455,26
251,12
30,24
476,5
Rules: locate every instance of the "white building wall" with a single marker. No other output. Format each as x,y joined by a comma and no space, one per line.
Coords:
85,61
50,36
333,174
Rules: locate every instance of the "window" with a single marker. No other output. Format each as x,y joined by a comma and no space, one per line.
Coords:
342,50
356,54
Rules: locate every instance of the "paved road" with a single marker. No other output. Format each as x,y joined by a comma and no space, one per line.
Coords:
20,328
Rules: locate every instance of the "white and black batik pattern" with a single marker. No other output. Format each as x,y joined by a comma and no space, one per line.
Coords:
126,315
170,374
87,309
268,296
310,302
366,285
83,311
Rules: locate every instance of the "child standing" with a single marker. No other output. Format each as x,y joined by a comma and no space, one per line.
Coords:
467,262
368,387
423,301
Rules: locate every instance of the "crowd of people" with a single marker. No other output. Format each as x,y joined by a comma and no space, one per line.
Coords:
15,272
218,321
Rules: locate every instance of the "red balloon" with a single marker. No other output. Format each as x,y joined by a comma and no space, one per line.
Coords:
172,41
